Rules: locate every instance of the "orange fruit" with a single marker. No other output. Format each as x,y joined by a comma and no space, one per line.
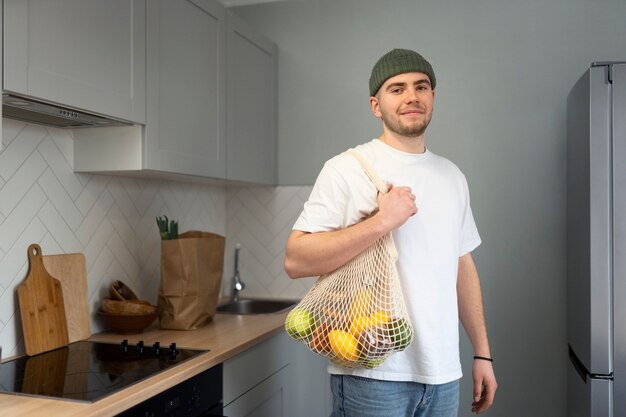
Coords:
344,345
359,324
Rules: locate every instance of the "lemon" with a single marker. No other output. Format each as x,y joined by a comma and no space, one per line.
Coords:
344,345
361,303
379,317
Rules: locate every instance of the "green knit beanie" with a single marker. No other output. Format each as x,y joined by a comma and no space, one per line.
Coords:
399,61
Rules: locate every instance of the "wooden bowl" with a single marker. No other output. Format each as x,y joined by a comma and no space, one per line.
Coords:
121,291
127,307
127,323
144,302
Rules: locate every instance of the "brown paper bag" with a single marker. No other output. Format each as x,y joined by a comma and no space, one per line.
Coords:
191,275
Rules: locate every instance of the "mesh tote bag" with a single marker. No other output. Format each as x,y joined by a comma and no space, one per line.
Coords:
356,315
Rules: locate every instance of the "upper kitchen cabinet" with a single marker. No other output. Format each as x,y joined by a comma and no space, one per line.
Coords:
1,31
185,129
252,105
86,54
186,80
211,101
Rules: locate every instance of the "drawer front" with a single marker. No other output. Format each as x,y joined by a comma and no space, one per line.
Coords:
252,367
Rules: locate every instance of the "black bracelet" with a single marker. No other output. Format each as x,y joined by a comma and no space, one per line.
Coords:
483,358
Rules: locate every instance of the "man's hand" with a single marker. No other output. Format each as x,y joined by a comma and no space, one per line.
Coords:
395,207
485,385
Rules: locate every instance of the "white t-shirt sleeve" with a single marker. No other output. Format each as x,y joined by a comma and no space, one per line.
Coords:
326,207
470,239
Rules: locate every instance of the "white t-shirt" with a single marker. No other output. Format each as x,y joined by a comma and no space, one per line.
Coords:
429,245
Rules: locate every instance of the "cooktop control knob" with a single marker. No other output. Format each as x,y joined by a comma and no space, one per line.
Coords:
140,347
125,345
173,351
156,348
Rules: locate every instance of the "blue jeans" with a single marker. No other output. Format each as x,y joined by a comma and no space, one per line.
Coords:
355,396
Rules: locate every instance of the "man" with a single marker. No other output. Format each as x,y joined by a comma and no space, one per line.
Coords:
428,211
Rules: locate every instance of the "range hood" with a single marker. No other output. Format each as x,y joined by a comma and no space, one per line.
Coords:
26,109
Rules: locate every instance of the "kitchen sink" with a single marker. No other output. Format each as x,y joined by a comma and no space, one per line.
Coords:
255,306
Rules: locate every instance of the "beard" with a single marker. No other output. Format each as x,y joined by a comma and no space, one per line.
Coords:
394,123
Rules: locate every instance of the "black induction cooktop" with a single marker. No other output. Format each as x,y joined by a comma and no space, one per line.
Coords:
88,371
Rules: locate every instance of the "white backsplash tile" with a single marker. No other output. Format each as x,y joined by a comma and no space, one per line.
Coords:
30,136
111,219
260,219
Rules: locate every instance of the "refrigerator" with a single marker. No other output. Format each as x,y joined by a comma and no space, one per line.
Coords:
596,242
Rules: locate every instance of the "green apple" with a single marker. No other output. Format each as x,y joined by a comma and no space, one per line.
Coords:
299,323
400,333
373,363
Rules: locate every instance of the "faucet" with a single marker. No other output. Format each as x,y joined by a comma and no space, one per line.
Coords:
237,285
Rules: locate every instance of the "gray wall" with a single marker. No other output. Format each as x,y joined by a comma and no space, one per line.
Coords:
504,69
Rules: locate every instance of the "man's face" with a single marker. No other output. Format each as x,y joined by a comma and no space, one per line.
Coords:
405,104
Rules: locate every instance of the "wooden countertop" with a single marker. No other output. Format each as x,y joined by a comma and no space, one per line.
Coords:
225,336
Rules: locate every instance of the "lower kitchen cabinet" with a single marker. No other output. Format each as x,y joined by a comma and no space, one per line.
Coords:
268,398
256,381
309,383
278,377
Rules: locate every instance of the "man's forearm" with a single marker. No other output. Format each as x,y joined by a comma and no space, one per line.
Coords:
472,316
470,302
312,254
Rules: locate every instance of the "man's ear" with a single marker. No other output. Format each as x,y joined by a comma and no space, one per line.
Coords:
375,106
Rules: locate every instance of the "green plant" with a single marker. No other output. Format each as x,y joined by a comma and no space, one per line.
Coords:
167,229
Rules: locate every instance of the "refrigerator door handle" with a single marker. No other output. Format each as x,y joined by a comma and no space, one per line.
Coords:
578,365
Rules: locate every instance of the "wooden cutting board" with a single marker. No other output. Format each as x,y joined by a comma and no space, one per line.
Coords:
71,271
41,307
